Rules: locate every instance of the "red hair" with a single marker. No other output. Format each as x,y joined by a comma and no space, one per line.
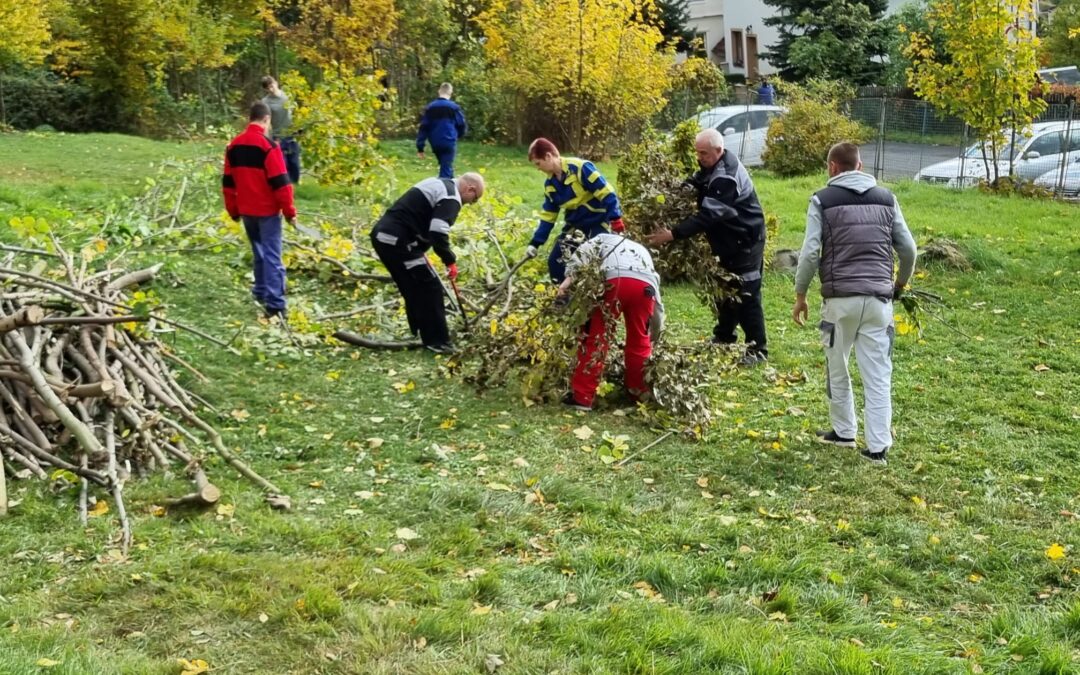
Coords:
541,148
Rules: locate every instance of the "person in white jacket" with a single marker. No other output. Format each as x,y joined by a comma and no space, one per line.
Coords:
633,291
852,228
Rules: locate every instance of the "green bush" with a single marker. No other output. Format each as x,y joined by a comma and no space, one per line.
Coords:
696,84
651,174
34,98
799,140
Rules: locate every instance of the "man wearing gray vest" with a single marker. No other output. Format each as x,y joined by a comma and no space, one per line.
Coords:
852,228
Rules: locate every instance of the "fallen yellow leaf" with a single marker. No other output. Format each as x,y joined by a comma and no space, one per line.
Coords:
1055,551
193,667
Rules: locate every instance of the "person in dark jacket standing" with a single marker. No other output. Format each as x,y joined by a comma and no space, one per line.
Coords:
766,93
852,228
732,219
257,190
577,186
281,126
420,220
442,124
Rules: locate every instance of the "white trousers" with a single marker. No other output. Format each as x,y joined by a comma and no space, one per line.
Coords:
867,324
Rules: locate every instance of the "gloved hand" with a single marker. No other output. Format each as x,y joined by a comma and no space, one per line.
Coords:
897,291
531,251
451,271
617,225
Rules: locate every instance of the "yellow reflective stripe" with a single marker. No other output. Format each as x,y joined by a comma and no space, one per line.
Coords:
549,188
593,176
549,216
581,195
603,192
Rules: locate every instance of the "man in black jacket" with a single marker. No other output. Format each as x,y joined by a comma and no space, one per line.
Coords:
420,220
731,217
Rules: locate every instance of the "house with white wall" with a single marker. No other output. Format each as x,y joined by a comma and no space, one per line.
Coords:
734,33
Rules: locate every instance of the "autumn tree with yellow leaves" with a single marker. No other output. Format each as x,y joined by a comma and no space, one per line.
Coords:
982,70
587,70
25,33
340,34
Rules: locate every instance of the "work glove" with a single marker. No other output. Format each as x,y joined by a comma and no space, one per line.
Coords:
451,271
897,291
531,251
617,225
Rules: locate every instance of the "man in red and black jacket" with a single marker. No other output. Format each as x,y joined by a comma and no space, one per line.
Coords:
257,189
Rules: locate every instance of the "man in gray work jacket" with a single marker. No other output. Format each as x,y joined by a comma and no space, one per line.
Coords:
852,228
732,220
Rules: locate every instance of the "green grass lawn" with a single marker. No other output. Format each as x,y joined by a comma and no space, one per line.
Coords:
754,551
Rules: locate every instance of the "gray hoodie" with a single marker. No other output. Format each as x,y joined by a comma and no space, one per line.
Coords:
280,114
809,259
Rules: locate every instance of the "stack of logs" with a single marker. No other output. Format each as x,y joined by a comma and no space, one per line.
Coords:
86,388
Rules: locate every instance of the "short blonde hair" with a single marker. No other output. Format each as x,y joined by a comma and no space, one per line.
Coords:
446,89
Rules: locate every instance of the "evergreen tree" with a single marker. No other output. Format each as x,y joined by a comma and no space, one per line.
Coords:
839,39
672,17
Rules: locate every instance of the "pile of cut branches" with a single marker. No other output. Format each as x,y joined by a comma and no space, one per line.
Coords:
87,393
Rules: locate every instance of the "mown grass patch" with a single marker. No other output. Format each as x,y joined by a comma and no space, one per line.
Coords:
727,555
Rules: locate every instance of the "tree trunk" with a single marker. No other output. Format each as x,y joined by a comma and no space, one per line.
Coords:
3,488
3,106
202,99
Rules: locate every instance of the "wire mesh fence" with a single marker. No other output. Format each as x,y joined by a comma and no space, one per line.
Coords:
911,140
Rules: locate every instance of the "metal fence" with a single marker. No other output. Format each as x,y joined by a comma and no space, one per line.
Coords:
911,140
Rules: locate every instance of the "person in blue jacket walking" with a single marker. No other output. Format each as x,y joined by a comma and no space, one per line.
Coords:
442,124
575,185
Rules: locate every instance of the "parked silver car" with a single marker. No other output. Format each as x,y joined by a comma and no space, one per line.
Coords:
744,128
1067,185
1033,154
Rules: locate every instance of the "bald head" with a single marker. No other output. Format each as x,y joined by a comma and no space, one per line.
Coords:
709,147
470,187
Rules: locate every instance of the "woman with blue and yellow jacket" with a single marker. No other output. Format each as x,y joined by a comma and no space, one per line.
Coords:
574,185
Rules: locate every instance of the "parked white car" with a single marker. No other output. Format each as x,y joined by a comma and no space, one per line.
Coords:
1034,154
1069,183
744,128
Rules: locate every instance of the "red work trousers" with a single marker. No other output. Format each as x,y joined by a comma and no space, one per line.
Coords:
634,300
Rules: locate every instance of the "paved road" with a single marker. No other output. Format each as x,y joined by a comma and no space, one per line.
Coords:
904,160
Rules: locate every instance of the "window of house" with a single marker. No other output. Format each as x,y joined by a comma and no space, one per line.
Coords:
697,47
738,56
720,51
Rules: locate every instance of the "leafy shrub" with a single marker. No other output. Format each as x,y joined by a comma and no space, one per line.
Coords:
34,98
651,175
696,84
337,120
799,140
1014,185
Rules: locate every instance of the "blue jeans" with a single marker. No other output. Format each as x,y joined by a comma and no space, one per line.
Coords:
445,155
264,233
563,249
290,149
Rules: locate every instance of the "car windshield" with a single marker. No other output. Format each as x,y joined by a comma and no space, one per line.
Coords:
712,119
1008,152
